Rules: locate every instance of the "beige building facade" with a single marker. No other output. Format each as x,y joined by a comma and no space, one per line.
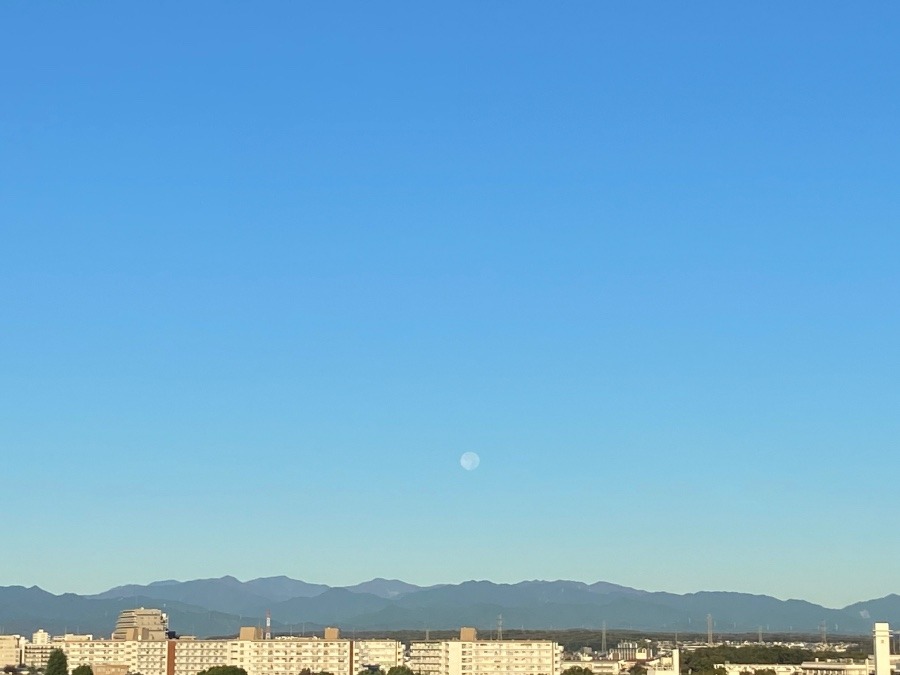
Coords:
470,656
385,654
147,657
141,624
11,650
189,656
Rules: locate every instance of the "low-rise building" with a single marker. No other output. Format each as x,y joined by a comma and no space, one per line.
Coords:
596,666
751,668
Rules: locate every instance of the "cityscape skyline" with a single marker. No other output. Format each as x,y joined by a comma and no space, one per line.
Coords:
142,642
270,273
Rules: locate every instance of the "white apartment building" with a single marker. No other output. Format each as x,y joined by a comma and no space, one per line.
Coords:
470,656
291,655
286,655
741,668
596,666
843,667
192,655
37,652
147,657
429,658
632,651
189,656
141,624
382,653
11,650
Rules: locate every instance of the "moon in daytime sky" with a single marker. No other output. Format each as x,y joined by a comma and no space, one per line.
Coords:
469,461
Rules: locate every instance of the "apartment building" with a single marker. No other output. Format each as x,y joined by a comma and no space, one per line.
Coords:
189,656
193,656
148,657
744,668
470,656
286,655
37,652
596,666
141,624
11,650
430,658
384,654
632,651
832,667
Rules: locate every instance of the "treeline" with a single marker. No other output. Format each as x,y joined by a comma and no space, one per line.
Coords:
702,661
574,639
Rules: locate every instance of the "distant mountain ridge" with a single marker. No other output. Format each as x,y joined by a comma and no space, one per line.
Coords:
219,606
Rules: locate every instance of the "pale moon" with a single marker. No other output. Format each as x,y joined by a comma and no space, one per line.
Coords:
469,461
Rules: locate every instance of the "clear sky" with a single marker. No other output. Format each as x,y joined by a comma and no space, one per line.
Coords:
268,269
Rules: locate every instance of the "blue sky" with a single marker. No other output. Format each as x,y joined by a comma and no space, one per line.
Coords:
268,270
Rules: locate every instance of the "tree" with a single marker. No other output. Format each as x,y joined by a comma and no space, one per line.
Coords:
83,670
57,664
221,670
578,670
401,670
637,669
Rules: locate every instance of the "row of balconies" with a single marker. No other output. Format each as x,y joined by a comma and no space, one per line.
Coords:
508,666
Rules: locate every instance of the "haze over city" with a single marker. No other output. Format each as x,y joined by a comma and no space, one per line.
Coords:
270,271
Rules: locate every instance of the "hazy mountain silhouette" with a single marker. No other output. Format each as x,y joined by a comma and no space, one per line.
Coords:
385,588
220,606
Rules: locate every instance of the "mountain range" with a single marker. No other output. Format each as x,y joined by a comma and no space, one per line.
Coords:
219,606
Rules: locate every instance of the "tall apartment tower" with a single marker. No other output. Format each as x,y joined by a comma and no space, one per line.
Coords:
141,624
882,648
